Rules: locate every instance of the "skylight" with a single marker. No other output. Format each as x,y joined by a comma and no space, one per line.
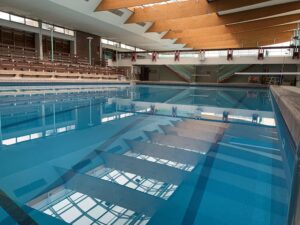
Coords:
158,3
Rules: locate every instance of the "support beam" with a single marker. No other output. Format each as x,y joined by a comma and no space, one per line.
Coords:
214,19
235,28
106,5
185,9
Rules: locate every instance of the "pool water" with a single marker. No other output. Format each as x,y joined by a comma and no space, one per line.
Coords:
120,154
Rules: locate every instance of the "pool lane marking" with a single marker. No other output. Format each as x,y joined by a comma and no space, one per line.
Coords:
70,173
255,146
15,211
270,155
199,190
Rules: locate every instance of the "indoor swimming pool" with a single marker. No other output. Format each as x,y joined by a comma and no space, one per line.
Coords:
138,154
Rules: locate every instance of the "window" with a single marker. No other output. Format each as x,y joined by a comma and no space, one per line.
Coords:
4,15
32,23
47,26
59,29
104,41
10,141
17,19
69,32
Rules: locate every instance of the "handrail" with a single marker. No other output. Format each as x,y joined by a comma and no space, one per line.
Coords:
260,53
208,50
16,47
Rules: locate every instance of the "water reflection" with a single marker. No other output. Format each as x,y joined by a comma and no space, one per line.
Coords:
123,154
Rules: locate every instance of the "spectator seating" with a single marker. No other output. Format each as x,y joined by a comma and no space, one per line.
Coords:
23,62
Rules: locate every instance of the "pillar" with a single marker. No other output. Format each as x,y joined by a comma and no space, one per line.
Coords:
74,45
298,76
90,49
39,42
0,132
100,50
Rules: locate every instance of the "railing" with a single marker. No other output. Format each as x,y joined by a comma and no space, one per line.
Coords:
283,51
17,51
71,58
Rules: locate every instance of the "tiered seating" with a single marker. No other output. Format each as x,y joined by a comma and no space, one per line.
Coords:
23,62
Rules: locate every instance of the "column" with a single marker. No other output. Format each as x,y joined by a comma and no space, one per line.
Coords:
43,118
74,45
39,42
298,76
0,132
100,50
52,43
54,118
90,49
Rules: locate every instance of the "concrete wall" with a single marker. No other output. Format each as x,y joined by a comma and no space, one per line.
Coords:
82,45
210,73
162,73
298,77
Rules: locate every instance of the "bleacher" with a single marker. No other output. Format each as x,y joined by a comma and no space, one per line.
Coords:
20,62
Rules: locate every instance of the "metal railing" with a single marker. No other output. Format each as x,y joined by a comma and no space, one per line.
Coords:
282,51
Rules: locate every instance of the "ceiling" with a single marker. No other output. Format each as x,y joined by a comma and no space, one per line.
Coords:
171,25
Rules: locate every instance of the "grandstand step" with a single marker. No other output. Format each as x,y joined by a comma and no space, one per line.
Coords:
164,152
190,133
143,168
205,122
114,193
196,127
189,144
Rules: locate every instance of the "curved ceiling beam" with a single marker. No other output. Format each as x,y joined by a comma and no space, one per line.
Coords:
106,5
248,35
235,28
215,20
189,8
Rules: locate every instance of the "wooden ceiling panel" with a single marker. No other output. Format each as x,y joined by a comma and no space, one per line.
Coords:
214,19
267,32
106,5
201,24
238,44
185,9
236,28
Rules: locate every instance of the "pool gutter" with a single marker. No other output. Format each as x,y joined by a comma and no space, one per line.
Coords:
288,101
176,83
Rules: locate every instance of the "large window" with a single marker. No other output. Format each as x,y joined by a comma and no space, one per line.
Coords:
57,29
4,16
121,45
34,23
17,19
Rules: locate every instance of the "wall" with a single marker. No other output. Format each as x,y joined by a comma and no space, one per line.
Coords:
298,77
206,74
19,38
82,45
210,73
60,46
162,73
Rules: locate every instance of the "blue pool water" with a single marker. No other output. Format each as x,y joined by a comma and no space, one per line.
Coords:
120,154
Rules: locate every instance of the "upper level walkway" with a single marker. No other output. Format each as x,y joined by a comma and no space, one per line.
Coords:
271,55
